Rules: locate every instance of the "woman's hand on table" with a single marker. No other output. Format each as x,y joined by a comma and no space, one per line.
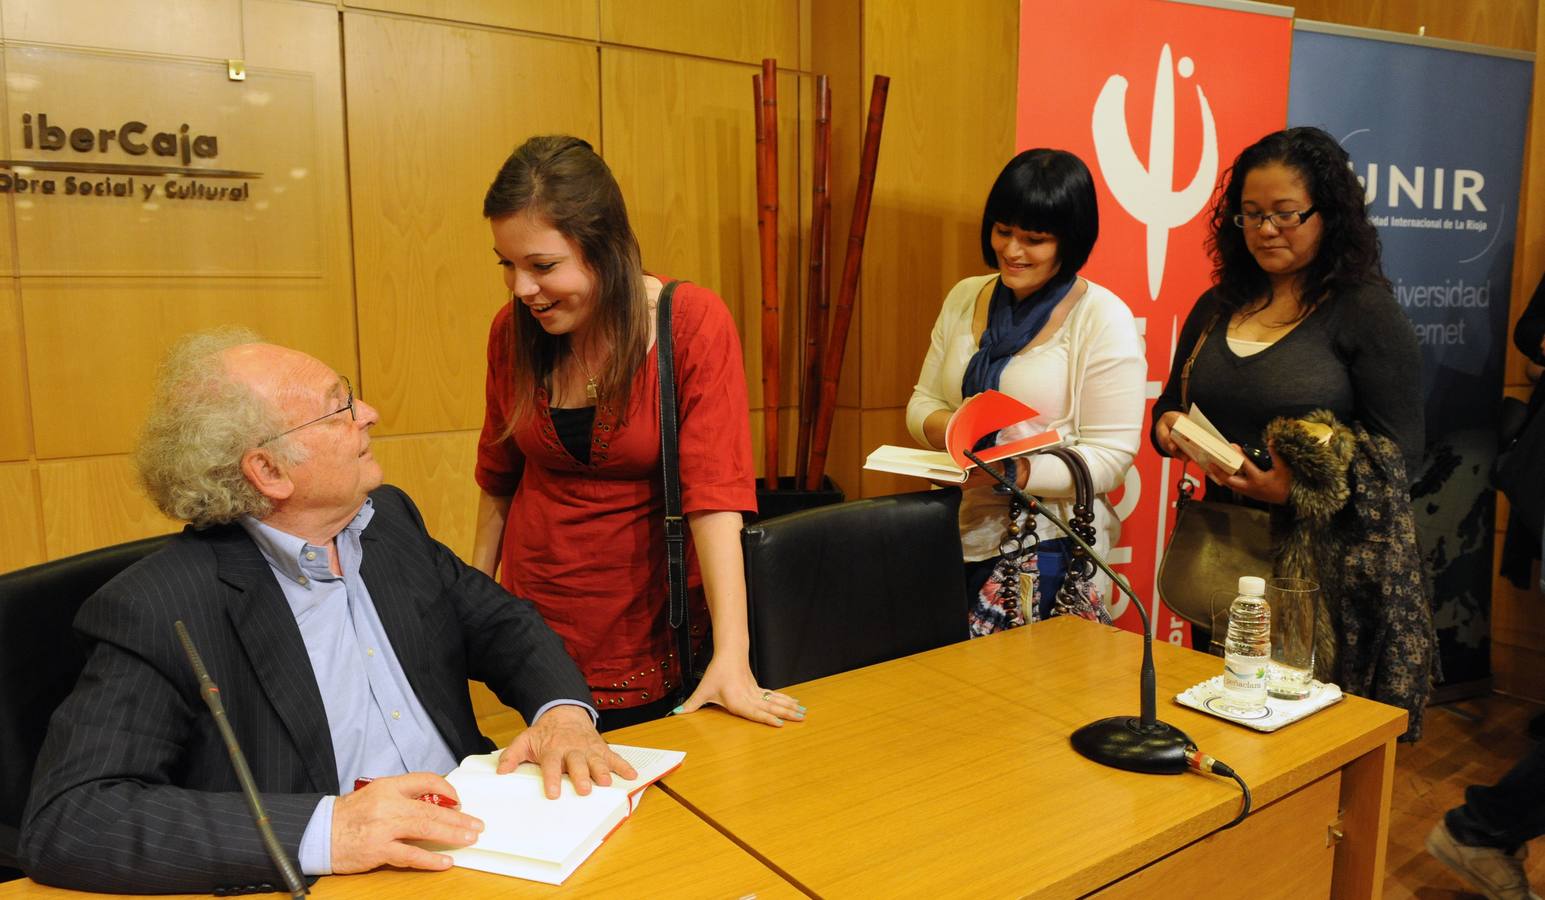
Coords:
731,685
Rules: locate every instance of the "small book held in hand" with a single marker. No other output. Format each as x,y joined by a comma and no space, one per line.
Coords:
978,417
1202,442
529,836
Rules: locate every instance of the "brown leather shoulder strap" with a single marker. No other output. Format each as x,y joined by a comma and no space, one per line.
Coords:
1185,371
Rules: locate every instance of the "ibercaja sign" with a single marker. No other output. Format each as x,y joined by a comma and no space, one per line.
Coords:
131,161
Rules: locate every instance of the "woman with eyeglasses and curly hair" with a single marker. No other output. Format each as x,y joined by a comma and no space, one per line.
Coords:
1301,326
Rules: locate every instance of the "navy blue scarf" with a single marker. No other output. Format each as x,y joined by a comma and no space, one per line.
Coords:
1011,326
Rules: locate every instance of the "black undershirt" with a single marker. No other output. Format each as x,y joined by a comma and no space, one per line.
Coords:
574,426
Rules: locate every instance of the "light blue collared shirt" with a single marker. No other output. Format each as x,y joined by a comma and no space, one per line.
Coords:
378,726
377,723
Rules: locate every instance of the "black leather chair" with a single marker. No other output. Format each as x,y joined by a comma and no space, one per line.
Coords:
844,586
40,658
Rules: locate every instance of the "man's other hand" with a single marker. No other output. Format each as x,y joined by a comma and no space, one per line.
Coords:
564,739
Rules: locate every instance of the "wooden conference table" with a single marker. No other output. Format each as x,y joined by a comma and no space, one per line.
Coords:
950,773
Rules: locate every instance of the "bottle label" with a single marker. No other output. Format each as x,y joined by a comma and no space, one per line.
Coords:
1245,676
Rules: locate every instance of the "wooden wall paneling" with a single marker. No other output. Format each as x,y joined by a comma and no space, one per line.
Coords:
436,471
93,342
572,18
425,140
15,416
1529,256
1500,23
21,542
788,437
680,137
835,45
1518,671
949,129
885,426
93,345
745,31
283,123
1516,621
845,462
210,29
303,37
94,502
806,18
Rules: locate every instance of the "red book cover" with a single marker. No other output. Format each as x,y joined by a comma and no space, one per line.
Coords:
985,413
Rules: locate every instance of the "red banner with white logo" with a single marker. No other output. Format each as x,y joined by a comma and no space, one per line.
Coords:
1157,97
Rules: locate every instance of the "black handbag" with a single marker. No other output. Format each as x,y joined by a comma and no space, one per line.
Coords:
1077,595
1213,543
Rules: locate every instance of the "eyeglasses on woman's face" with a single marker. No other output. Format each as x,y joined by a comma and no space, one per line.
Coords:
1290,218
349,406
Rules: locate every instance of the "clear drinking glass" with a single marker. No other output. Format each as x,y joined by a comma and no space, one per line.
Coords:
1293,602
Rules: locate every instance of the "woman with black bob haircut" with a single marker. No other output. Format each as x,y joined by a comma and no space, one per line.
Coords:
571,509
1063,345
1300,349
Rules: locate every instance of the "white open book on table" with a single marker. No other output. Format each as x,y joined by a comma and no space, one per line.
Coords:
529,836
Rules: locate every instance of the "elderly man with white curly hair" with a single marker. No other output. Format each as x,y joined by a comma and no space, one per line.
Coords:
341,634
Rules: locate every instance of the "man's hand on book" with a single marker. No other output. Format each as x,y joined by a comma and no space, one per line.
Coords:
1271,486
564,740
372,825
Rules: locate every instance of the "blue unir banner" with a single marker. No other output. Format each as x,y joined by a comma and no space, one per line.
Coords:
1436,133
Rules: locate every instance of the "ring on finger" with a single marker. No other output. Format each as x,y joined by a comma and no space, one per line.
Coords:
766,695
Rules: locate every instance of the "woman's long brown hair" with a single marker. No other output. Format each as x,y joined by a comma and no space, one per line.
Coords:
561,180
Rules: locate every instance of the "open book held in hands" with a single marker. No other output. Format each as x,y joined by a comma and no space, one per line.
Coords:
978,417
529,836
1198,439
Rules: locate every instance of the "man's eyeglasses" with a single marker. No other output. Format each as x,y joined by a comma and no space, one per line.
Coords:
349,406
1291,218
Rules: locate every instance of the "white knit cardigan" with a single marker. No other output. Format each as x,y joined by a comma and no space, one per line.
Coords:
1102,410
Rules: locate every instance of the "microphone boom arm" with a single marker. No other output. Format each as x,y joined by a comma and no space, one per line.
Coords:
1143,744
287,868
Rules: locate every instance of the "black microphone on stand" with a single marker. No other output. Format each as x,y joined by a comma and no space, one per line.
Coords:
287,869
1137,743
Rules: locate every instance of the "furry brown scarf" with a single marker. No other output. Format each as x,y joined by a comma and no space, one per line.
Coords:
1348,525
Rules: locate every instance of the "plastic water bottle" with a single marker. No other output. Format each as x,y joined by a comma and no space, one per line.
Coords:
1247,651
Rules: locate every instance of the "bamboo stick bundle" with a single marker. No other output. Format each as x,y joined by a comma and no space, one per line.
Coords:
842,313
818,288
765,87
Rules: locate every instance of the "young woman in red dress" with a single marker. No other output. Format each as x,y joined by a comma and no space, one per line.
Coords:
571,506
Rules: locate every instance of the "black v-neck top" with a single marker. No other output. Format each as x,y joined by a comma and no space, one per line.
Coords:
573,425
1356,355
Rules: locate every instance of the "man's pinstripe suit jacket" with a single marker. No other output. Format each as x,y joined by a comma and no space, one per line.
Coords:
133,789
